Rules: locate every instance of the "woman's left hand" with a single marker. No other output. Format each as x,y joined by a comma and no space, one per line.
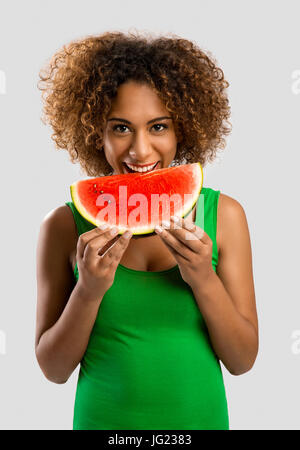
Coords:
191,247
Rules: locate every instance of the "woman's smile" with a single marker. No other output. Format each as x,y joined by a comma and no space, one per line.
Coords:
142,168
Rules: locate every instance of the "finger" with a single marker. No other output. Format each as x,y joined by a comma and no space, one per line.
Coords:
94,242
179,258
114,254
191,227
185,237
174,243
84,238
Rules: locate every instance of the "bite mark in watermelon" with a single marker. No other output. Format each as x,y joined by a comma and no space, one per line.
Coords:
139,201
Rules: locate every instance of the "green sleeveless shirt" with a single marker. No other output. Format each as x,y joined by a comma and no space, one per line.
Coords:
149,363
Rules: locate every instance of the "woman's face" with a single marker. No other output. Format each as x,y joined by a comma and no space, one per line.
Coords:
139,130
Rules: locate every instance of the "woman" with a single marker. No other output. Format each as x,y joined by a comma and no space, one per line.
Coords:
147,318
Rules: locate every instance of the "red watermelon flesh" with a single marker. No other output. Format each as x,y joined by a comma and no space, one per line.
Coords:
139,201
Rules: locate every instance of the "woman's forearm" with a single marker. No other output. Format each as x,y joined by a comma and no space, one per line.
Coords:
61,347
233,337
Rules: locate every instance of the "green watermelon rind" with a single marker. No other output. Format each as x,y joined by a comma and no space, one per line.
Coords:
138,230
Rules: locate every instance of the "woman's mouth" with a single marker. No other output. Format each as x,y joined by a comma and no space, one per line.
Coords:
130,168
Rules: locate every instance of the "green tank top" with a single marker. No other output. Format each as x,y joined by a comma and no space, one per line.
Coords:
149,363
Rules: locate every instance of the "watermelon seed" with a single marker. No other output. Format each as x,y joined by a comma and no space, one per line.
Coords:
101,192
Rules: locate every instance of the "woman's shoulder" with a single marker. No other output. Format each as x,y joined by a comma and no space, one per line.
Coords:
229,205
60,217
230,216
60,222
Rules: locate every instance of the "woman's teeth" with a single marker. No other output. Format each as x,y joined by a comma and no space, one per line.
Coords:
141,169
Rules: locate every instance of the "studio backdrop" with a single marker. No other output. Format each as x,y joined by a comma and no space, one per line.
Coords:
257,46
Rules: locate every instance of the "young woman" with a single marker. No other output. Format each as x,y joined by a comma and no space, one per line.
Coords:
149,319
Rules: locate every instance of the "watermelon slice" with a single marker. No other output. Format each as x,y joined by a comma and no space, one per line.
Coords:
139,201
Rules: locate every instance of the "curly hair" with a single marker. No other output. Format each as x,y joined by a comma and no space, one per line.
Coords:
80,81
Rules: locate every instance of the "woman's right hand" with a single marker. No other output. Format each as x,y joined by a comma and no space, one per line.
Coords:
97,270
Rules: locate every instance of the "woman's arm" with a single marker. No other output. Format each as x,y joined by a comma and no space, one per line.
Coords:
227,300
65,314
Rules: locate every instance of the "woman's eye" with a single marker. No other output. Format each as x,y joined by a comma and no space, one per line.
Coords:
117,127
160,125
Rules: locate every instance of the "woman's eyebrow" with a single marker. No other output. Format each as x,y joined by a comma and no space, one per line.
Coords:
150,121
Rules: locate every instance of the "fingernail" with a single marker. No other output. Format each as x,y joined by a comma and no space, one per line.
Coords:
166,223
176,219
190,226
113,230
103,226
127,234
158,229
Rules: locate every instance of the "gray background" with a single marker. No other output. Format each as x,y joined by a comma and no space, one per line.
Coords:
256,43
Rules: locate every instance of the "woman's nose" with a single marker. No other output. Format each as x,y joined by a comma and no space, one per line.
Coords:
140,149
